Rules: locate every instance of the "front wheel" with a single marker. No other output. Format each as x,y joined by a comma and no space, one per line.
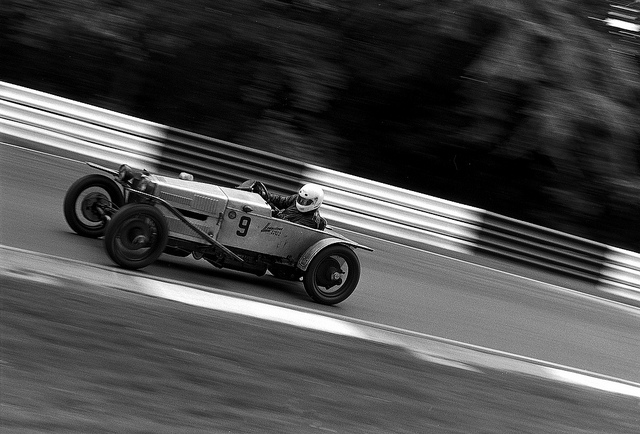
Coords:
89,202
136,236
332,275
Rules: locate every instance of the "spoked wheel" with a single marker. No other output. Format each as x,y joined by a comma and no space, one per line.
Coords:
89,202
332,275
136,236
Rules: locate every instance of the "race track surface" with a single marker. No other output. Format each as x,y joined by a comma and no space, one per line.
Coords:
400,287
82,358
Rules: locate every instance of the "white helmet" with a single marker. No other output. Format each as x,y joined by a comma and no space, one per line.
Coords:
310,198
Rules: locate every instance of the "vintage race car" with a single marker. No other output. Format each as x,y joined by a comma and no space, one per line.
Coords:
142,215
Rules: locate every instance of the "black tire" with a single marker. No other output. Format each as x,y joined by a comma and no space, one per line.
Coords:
86,199
321,277
136,236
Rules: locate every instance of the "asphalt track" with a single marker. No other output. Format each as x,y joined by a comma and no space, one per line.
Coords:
400,287
80,357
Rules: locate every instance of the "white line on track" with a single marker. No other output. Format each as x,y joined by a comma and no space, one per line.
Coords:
251,308
46,268
35,151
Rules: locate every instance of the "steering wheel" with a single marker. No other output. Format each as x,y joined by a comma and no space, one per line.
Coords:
259,187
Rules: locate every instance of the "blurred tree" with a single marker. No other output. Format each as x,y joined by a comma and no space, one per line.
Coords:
548,86
296,79
405,60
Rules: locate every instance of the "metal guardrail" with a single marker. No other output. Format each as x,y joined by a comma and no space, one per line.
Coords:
225,163
43,121
620,275
545,248
396,214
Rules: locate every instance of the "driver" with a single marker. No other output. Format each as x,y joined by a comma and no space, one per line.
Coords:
302,207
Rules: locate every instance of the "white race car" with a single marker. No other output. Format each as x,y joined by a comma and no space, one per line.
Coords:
142,215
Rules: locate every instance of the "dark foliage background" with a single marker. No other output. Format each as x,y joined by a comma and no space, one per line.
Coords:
524,108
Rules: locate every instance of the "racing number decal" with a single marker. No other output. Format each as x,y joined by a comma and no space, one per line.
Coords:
243,225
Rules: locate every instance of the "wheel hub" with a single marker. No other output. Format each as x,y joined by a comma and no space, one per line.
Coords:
92,206
140,240
330,273
136,235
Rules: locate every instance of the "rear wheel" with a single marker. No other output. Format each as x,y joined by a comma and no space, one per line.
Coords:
136,236
89,202
332,275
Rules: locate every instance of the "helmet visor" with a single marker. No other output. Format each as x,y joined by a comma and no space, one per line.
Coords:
304,202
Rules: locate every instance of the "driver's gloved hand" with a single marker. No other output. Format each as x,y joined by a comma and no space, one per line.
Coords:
261,190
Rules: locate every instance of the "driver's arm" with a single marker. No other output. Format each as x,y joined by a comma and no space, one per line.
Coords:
281,202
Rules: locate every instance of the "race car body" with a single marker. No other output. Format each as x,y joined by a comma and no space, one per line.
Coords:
142,215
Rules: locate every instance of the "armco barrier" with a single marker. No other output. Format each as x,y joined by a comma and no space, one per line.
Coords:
39,120
44,121
225,163
542,247
396,214
621,275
